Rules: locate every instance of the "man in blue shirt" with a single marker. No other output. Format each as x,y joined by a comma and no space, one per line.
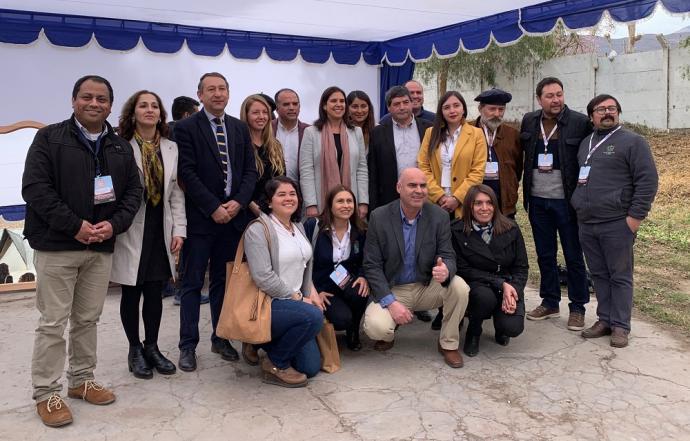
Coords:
410,265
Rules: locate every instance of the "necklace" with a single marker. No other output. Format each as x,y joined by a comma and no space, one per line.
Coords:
289,228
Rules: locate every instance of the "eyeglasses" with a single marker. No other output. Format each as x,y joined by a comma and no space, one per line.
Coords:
605,110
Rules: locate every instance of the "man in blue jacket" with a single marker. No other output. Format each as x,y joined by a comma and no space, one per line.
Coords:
616,186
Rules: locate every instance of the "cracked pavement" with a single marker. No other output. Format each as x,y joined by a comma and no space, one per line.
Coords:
548,384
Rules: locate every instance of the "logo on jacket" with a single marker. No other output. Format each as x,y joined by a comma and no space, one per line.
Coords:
609,150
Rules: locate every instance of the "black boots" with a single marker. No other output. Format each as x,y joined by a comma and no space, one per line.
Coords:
138,364
156,360
352,339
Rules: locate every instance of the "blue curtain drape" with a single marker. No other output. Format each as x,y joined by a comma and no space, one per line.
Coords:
393,76
13,212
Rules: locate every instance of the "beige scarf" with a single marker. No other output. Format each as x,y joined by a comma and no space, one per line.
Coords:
331,175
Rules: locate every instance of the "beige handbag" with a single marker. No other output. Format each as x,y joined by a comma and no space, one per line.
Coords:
246,312
328,346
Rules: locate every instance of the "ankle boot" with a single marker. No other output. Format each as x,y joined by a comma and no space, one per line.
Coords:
138,364
157,360
352,339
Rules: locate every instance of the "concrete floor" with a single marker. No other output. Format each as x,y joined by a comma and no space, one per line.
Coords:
549,384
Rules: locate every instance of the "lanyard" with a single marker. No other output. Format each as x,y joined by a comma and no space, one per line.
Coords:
490,137
592,149
94,154
543,134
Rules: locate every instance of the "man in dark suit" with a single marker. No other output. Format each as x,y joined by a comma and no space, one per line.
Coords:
393,147
288,129
410,265
218,174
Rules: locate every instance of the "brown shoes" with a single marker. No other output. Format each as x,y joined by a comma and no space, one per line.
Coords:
541,312
92,392
598,329
383,346
452,357
619,337
288,377
250,354
576,321
54,411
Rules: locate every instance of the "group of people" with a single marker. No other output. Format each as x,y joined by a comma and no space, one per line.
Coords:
364,225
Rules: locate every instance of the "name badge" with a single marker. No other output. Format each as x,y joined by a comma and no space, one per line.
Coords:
103,190
491,171
584,175
545,162
341,276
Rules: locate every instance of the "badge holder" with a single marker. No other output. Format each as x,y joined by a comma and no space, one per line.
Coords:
545,163
491,171
341,276
103,190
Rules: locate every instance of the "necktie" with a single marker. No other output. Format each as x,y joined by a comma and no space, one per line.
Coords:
222,147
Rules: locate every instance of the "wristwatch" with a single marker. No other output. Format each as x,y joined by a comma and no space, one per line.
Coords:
298,296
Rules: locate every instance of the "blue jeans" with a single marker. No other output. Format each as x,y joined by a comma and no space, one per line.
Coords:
550,218
294,326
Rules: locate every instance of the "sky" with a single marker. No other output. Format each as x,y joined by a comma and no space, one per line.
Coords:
660,22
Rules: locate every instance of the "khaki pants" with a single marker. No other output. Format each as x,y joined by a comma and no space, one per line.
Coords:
69,285
379,325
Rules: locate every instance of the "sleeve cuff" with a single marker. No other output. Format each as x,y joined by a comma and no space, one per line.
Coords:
387,300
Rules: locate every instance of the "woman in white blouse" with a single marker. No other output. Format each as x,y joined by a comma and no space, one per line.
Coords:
281,266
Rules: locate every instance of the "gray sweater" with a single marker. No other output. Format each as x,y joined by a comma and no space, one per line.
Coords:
622,181
264,265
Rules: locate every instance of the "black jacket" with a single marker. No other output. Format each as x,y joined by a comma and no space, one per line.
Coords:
572,128
58,186
383,163
323,264
200,170
504,259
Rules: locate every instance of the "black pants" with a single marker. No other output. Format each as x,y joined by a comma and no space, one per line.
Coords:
151,311
346,309
486,303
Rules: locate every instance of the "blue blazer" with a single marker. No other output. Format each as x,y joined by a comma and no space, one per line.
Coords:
201,174
323,264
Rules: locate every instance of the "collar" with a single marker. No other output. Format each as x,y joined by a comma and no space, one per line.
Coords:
604,132
400,126
561,118
211,116
404,219
349,228
280,125
90,136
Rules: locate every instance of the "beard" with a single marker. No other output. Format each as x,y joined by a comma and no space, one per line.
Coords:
491,123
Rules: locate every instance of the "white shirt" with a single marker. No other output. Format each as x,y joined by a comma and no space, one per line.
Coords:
289,139
447,152
293,254
341,248
406,139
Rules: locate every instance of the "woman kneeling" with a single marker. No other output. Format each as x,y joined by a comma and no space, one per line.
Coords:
492,259
281,267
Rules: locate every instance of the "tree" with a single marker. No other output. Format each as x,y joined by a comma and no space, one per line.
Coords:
482,67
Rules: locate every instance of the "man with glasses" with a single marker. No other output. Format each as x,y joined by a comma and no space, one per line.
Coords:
615,189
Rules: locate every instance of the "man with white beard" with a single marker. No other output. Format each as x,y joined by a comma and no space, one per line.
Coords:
504,159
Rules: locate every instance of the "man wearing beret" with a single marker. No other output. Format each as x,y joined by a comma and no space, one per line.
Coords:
504,157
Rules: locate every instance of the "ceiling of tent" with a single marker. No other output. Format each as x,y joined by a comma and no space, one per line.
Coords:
347,30
362,20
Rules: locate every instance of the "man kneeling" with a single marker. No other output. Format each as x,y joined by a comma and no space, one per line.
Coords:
410,265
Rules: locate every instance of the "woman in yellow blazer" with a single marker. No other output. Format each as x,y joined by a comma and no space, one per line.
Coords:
452,155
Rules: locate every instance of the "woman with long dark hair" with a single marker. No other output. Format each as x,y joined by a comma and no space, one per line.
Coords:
492,259
338,239
452,155
143,259
332,152
361,113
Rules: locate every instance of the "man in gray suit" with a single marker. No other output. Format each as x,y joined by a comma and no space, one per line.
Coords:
410,265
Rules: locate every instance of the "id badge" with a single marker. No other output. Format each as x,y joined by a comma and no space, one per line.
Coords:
584,175
491,171
341,276
103,190
545,162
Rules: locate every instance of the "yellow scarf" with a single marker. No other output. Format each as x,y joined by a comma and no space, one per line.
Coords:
152,166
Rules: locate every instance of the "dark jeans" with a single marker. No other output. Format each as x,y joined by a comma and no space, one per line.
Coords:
608,249
294,326
485,303
346,309
150,313
199,249
552,218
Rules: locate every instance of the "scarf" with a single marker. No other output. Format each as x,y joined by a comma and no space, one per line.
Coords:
152,167
331,175
485,231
